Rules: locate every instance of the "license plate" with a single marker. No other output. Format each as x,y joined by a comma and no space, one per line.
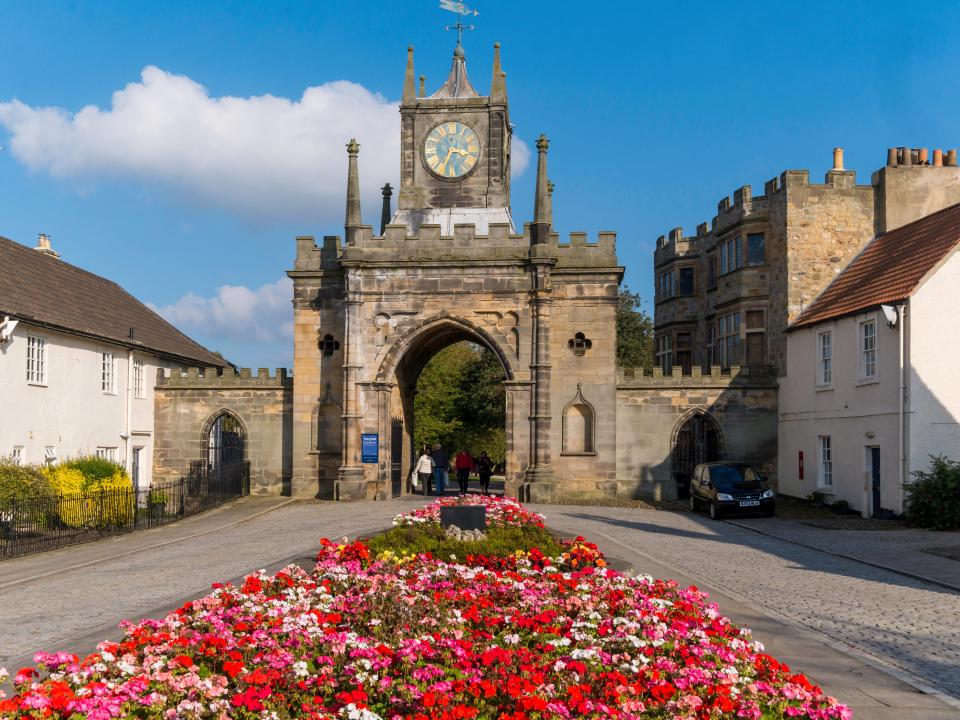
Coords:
749,503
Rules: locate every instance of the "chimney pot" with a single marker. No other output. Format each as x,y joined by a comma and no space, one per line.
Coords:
906,156
838,158
923,155
951,158
891,156
938,158
43,245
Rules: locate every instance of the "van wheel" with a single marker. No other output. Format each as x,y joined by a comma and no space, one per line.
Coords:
714,511
693,504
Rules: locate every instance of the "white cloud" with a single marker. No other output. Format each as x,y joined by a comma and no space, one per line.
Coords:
263,157
236,313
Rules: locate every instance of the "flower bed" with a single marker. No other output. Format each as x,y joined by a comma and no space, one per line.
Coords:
500,511
420,638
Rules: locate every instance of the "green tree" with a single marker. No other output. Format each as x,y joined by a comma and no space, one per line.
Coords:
460,402
634,331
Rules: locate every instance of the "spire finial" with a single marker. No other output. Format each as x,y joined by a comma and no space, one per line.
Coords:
542,210
497,87
408,78
423,86
385,213
461,9
353,221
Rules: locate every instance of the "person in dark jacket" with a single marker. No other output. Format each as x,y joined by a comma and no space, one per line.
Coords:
441,464
484,470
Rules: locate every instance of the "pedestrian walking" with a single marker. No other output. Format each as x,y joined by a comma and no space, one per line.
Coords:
441,465
424,470
484,470
464,464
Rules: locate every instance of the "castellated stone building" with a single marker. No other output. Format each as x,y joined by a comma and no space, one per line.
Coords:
726,295
450,264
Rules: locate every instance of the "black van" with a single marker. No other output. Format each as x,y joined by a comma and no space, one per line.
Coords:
730,487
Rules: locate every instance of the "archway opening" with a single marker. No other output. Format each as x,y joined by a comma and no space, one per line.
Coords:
225,442
696,441
453,397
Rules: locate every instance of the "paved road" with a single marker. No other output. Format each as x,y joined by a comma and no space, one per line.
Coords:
756,579
907,623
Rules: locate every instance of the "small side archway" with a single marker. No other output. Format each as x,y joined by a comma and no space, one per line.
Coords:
697,439
224,440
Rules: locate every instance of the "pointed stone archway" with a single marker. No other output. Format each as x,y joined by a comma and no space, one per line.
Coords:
396,382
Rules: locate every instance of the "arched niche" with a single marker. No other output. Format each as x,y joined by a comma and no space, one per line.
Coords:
579,426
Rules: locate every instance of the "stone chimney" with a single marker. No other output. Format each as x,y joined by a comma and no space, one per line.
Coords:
43,246
838,158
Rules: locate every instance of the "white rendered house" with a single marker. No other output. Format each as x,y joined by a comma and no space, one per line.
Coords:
871,390
78,363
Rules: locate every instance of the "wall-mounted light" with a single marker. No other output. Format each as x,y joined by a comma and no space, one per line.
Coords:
892,313
7,327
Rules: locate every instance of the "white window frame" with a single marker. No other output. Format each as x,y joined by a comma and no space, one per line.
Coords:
825,359
108,373
138,384
868,355
825,454
107,453
16,456
36,360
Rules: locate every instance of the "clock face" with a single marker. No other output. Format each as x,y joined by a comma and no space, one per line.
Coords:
452,149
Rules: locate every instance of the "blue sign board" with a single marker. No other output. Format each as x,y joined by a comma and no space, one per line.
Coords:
370,448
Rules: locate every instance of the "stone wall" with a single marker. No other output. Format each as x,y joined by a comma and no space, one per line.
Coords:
187,403
652,408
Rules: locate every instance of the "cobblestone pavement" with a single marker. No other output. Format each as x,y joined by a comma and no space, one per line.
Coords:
900,549
71,610
908,623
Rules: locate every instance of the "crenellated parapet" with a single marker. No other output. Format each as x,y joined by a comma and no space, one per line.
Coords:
674,245
464,245
205,378
734,376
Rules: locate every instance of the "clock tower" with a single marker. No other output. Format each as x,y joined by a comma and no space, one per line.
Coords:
455,151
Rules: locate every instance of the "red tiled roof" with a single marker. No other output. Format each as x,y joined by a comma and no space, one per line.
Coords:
41,289
888,269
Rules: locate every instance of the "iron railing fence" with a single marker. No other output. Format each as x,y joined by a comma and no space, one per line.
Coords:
38,525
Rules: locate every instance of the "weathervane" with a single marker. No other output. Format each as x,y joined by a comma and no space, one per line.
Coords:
461,10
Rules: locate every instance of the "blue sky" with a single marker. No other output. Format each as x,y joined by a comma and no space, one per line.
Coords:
212,133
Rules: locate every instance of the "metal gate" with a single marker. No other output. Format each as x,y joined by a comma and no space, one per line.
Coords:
697,441
396,457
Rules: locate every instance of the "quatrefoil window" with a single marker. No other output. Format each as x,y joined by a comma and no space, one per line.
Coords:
328,345
580,343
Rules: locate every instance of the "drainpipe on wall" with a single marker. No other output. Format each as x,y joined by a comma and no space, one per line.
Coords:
901,313
127,424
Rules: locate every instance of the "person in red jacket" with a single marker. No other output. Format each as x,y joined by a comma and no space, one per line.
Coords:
463,464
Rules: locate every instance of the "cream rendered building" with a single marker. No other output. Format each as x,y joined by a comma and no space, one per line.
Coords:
870,391
79,358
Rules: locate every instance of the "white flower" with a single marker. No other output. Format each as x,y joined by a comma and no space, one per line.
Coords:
352,712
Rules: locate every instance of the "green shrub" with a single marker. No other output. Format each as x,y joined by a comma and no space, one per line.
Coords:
933,498
98,471
22,483
500,542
